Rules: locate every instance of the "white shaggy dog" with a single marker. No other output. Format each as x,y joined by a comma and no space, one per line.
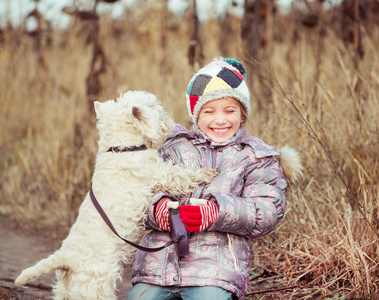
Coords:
91,257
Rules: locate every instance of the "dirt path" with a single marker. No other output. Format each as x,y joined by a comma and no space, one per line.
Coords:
20,249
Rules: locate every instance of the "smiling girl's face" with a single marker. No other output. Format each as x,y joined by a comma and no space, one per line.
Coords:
220,119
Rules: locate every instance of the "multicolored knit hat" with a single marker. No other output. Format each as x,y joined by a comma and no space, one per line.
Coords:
221,78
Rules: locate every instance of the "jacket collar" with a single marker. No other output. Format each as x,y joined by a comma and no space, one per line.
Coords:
261,149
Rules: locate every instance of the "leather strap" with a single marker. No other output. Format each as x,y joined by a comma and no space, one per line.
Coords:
109,223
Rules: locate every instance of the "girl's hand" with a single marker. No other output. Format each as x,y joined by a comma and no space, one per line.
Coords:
198,217
162,215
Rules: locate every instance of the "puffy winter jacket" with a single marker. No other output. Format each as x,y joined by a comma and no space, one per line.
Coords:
250,191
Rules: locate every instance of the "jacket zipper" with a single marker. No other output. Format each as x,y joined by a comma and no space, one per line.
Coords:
214,157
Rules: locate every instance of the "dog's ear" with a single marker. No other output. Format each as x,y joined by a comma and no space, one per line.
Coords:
97,106
145,122
102,108
137,113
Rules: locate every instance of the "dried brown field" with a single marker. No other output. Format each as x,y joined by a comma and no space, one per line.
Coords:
309,95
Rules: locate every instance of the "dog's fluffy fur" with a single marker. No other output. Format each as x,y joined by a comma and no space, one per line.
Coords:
90,260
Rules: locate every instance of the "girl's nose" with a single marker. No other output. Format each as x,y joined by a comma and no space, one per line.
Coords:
220,118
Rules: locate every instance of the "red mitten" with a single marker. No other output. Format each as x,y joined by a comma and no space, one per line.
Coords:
162,215
198,218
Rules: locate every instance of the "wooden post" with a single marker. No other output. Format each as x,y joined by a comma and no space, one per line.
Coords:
269,29
255,44
250,27
195,50
357,36
358,49
38,35
294,36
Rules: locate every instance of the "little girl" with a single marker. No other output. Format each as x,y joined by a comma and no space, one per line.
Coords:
245,200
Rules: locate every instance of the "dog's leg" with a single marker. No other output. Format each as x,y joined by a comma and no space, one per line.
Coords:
60,289
53,262
96,283
178,181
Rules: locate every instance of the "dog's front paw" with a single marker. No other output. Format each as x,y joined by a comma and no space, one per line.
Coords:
207,174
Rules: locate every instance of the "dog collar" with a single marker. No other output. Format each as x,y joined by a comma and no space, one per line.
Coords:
121,149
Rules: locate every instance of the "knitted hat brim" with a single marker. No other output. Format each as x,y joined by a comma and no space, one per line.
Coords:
219,94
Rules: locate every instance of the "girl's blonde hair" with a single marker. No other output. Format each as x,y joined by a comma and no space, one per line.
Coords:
245,116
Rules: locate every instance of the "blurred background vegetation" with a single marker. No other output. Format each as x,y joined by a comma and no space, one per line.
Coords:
314,81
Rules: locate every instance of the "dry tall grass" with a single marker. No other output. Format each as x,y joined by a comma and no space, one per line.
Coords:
325,248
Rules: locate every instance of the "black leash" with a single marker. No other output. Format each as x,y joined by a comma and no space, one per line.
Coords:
109,223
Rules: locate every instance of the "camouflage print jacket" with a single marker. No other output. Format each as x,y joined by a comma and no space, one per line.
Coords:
250,191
